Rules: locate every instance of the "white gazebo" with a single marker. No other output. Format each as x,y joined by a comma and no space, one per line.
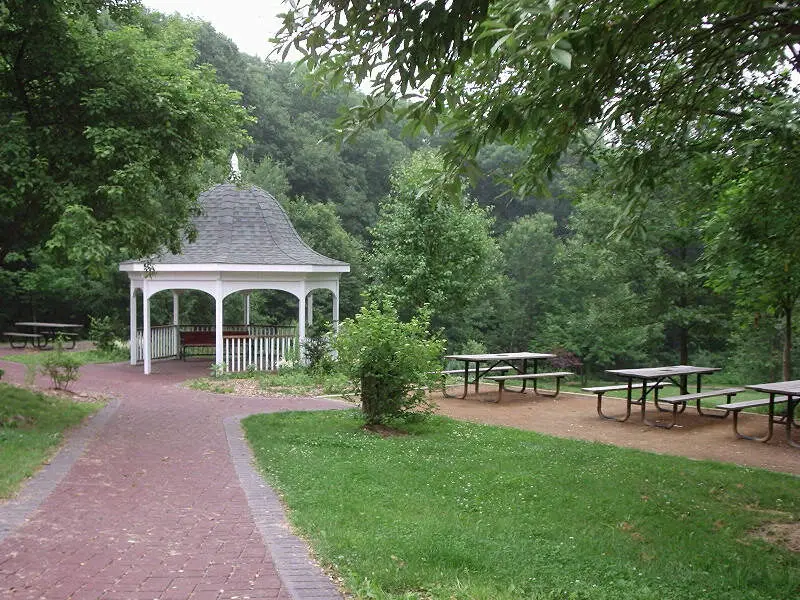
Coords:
244,242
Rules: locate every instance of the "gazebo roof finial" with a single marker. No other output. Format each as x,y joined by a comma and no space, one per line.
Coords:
236,174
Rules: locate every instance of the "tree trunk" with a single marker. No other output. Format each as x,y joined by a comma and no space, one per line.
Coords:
787,344
683,342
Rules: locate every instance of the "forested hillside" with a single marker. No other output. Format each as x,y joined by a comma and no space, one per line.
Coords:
577,267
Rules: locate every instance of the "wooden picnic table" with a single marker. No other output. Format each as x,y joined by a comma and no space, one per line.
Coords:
50,331
791,391
653,378
516,361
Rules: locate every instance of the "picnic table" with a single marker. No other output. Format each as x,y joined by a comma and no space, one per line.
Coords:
779,392
651,379
42,334
486,366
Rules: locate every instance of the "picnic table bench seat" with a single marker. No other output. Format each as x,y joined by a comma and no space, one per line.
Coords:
502,379
15,337
681,400
601,390
737,407
498,368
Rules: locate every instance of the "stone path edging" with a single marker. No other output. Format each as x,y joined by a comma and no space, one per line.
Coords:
302,577
15,511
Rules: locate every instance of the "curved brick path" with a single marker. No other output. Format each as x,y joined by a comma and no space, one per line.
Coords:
155,499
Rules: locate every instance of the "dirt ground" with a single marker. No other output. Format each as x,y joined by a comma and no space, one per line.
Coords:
575,416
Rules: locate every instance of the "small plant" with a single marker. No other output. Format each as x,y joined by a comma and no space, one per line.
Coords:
388,362
30,373
566,360
2,373
317,349
290,361
61,367
101,332
218,370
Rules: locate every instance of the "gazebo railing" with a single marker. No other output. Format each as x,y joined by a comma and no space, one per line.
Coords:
258,353
163,342
262,350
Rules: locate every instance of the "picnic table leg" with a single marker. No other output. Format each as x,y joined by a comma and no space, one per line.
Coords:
464,392
770,423
791,405
627,406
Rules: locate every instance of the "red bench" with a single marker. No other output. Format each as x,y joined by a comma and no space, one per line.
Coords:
202,339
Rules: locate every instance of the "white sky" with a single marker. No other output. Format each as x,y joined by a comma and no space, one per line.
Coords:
249,23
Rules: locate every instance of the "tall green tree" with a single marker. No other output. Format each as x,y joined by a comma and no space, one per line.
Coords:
752,229
529,251
428,251
107,132
654,75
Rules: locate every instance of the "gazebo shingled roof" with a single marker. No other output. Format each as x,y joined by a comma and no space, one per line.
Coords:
244,242
244,226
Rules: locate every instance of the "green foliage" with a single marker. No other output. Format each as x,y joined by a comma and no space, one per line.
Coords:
428,251
317,349
106,131
538,74
751,230
388,362
457,510
62,367
102,333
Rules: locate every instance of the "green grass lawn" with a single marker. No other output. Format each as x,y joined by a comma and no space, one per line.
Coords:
463,511
82,356
31,430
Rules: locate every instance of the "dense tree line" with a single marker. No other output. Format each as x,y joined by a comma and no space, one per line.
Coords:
663,233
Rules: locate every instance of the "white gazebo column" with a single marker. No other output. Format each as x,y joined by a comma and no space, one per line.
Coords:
218,324
246,308
176,311
133,323
146,326
335,315
301,324
310,309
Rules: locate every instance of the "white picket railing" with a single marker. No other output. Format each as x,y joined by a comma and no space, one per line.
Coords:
163,342
262,350
262,353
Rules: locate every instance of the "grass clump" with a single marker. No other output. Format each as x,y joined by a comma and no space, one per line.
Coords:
81,357
461,511
31,429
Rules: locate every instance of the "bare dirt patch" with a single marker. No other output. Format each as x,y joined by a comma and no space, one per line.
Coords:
780,534
575,416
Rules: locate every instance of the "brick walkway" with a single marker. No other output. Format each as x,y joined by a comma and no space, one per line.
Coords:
155,499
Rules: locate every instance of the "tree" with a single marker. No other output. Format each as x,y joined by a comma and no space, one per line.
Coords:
529,250
752,229
651,76
428,251
389,362
105,133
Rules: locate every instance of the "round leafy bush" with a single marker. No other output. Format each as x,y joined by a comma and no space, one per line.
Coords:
389,363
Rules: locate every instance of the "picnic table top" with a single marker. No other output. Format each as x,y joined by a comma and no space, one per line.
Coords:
498,356
787,388
656,372
54,325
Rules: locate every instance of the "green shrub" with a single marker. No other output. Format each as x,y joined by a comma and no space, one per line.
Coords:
60,366
317,349
389,363
101,332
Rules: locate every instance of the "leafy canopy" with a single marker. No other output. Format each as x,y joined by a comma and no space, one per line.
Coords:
650,76
106,129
